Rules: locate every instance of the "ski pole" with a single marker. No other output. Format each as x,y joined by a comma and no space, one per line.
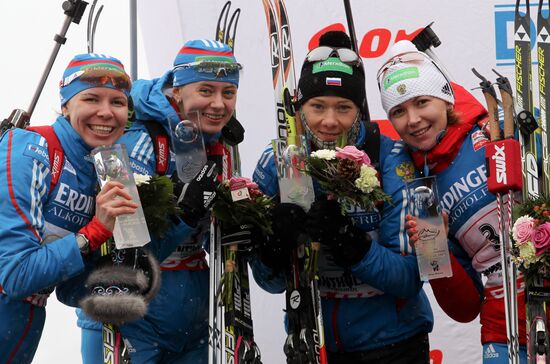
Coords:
502,156
133,40
73,10
425,41
355,48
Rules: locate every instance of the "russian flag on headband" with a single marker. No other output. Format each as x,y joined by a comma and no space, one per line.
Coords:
334,81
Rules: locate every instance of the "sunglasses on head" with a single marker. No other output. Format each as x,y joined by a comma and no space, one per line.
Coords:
218,68
104,77
323,53
409,57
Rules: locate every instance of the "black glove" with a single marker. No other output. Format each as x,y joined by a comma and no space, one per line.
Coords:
246,236
288,231
122,286
347,243
196,197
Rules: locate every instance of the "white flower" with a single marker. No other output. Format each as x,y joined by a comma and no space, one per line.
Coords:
367,179
141,178
326,154
527,253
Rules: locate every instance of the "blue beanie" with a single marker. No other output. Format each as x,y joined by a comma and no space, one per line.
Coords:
188,61
93,70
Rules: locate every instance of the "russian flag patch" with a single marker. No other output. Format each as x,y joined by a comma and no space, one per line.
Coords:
334,81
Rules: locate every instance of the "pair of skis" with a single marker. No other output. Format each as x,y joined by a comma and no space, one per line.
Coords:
231,336
305,339
537,293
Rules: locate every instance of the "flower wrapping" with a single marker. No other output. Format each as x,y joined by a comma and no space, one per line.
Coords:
347,175
255,210
531,238
158,202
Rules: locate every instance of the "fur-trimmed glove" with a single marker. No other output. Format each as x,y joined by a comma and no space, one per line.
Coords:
347,243
122,286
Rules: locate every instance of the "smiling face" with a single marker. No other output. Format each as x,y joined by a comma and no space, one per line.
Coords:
215,101
328,117
419,120
98,115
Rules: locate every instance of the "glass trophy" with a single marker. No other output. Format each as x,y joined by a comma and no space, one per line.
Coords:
112,164
432,250
188,145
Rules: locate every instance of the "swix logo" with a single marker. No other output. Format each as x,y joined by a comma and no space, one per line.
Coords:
532,175
162,153
56,167
500,164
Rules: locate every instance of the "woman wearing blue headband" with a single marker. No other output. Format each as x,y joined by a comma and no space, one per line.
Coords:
51,217
203,81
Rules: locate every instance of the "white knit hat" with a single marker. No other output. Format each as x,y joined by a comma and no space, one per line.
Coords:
408,74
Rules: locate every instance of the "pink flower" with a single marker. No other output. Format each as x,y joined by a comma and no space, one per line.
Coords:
541,238
351,152
243,182
523,229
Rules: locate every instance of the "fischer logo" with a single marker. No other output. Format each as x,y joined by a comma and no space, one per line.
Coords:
532,175
108,344
229,347
500,164
490,352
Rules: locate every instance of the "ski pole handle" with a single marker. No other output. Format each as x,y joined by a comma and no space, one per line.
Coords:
492,105
73,10
505,89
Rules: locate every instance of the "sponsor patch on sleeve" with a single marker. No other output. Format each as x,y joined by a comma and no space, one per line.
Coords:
37,152
479,139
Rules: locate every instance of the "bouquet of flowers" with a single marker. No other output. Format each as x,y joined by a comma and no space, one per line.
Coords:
158,201
531,238
240,202
347,174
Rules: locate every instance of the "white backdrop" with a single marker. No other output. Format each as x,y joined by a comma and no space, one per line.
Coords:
473,33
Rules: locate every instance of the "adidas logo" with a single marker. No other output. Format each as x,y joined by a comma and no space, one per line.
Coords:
208,196
446,89
490,352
